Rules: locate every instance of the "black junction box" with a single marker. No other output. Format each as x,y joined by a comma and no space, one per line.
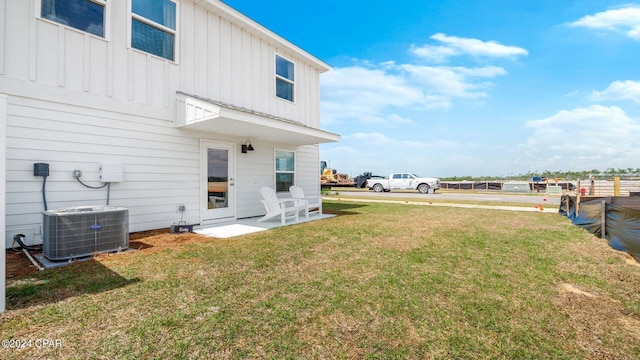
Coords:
40,169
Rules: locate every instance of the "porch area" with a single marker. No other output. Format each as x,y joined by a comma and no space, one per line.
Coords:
250,225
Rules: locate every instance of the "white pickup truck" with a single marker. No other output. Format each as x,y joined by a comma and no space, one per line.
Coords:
403,181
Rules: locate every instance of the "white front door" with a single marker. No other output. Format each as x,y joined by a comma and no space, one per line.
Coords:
218,181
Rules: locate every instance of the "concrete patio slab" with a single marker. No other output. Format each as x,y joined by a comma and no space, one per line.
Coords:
248,226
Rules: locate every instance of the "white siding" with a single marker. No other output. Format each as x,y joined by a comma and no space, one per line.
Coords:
76,100
3,260
160,164
217,60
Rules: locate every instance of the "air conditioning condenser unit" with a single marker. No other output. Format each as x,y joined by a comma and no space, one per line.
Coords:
82,231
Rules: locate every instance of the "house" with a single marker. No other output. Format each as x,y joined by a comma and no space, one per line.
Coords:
184,108
169,92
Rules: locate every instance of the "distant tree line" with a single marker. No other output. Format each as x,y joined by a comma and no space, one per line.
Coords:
566,175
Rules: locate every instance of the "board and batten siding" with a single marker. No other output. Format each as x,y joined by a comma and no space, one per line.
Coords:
216,59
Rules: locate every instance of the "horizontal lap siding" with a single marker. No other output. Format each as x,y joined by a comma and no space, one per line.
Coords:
160,163
308,171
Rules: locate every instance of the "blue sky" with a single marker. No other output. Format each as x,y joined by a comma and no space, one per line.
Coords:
456,88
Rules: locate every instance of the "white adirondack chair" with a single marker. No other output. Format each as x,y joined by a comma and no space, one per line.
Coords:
285,208
308,204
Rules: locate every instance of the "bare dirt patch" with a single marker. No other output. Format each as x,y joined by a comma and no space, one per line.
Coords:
17,263
584,309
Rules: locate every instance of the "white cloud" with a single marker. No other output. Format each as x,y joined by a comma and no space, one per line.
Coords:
477,47
379,139
453,82
584,138
625,20
370,93
457,46
619,90
395,118
366,94
437,54
361,94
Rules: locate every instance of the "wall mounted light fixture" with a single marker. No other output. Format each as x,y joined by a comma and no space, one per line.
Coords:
247,147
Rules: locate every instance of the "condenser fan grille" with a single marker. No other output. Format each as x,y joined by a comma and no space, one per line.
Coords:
82,231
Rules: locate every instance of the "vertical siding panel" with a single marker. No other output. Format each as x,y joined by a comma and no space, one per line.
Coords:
202,52
225,61
272,100
86,64
313,94
120,51
247,74
109,68
266,74
130,76
256,73
214,57
236,65
74,60
3,32
33,46
167,94
17,61
188,58
61,53
156,79
306,110
46,48
303,106
139,77
99,70
316,98
149,79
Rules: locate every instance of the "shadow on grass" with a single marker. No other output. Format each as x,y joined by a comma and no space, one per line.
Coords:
340,208
54,285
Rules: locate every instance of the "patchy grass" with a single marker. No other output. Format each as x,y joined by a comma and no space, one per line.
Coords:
399,197
379,281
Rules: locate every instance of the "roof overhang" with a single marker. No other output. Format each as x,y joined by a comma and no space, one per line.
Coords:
206,115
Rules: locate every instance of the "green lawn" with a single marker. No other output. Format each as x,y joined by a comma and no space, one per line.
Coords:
379,281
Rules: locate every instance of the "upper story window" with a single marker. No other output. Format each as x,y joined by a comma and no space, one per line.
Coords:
285,79
85,15
153,27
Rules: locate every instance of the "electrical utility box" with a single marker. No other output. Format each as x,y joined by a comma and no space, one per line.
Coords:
110,173
41,169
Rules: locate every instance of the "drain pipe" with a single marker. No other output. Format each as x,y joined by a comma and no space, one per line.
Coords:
42,169
18,238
